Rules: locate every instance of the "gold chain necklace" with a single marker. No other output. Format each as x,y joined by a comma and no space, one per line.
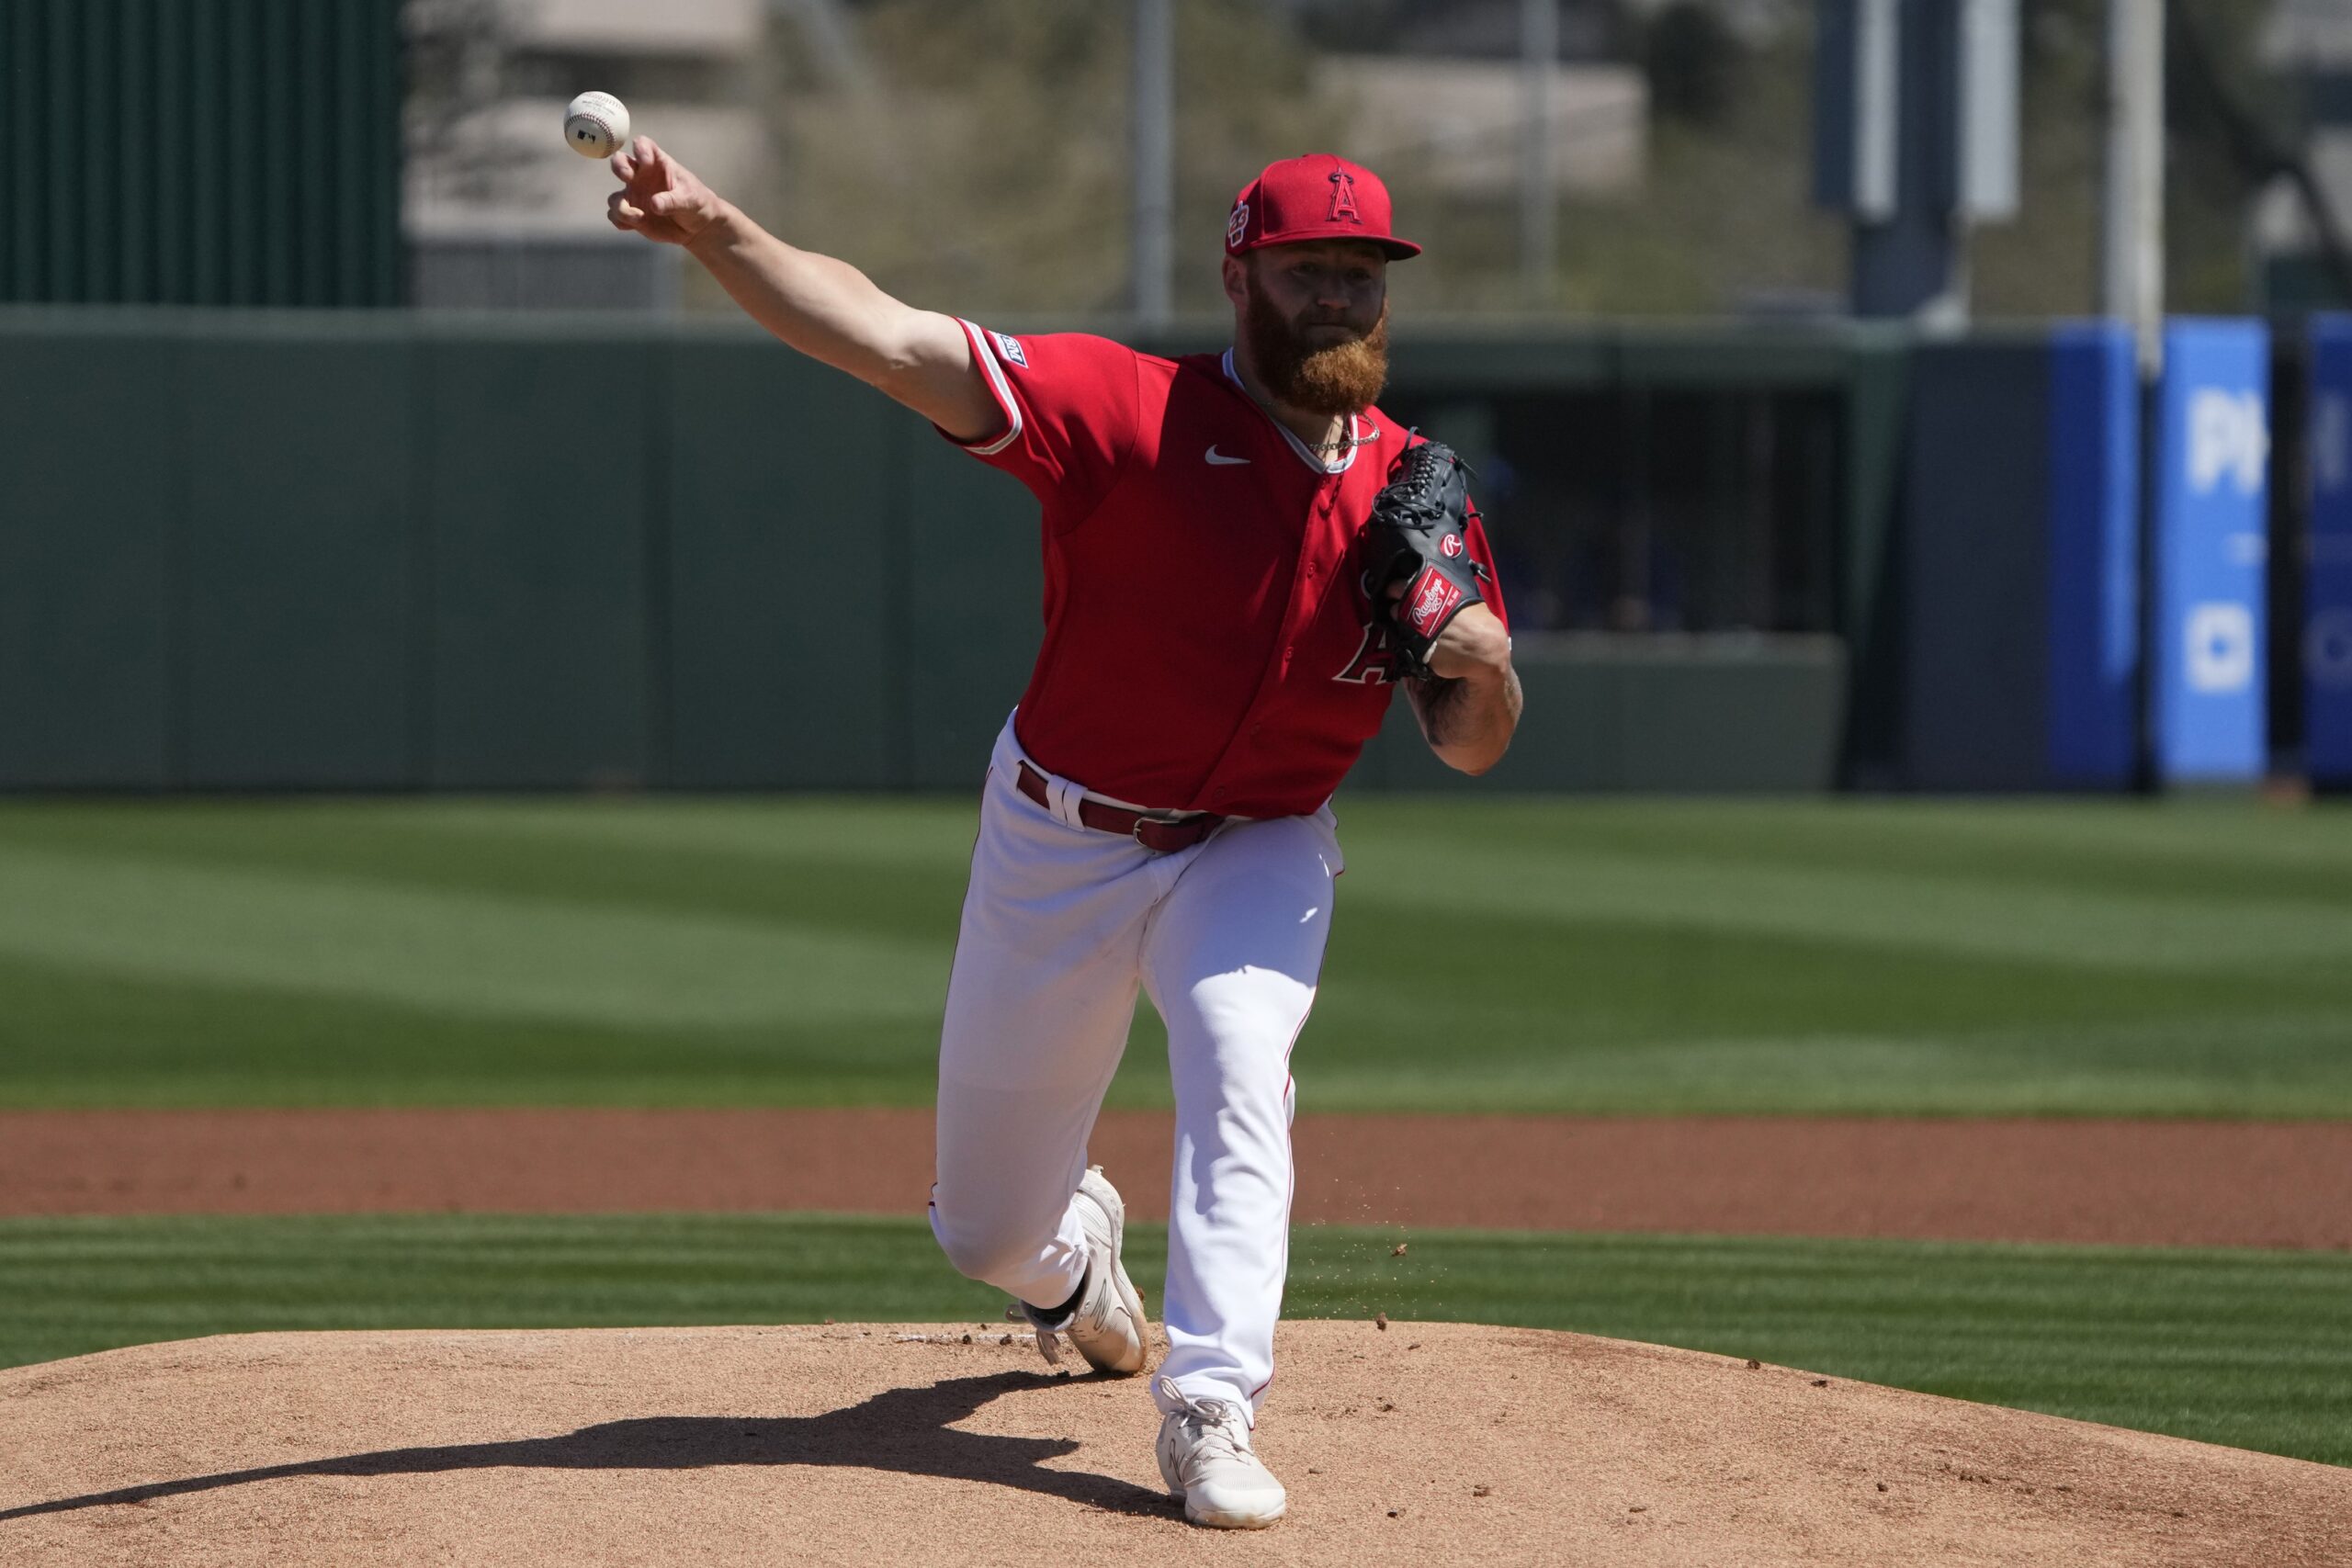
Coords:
1346,443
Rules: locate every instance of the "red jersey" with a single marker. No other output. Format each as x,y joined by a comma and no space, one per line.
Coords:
1209,645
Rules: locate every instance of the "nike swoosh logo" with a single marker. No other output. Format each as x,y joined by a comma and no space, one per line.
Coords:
1220,459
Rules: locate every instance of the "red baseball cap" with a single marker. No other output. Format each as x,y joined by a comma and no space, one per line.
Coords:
1318,197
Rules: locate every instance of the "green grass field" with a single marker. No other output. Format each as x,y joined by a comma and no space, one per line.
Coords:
2069,958
2093,958
2243,1347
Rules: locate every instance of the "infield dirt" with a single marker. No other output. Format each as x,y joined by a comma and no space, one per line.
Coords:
889,1445
2284,1184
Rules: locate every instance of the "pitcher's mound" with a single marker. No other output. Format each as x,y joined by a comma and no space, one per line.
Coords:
880,1444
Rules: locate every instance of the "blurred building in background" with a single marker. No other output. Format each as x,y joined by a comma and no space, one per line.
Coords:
498,212
1455,122
980,151
2308,44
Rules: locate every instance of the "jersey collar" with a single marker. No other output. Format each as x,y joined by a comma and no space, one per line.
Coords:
1305,453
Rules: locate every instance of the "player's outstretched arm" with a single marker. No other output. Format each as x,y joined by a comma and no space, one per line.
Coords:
826,309
1469,707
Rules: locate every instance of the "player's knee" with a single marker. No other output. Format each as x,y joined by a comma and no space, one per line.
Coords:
979,1249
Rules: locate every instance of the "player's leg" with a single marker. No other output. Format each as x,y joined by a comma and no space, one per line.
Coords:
1232,960
1039,1002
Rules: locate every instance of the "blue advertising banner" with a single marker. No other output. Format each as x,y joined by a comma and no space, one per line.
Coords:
2327,626
2211,541
2092,718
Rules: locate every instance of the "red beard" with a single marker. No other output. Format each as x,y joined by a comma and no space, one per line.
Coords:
1342,378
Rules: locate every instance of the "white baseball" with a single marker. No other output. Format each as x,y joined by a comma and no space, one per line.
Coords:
595,125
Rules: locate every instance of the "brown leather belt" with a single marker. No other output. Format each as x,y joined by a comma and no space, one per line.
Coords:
1157,834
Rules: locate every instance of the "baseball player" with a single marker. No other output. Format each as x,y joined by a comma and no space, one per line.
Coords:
1244,558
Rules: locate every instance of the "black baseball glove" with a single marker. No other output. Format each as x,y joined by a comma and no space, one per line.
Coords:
1416,535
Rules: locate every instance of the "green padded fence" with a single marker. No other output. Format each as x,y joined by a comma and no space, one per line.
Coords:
201,151
298,564
390,552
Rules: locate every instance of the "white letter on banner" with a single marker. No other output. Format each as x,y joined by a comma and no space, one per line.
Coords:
2219,641
2227,433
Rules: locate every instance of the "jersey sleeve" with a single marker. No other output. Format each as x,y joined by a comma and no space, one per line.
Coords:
1490,586
1069,401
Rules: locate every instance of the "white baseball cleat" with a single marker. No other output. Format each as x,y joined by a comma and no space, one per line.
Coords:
1107,1323
1205,1458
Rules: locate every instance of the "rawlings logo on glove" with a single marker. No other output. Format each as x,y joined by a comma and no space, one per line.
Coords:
1429,604
1414,537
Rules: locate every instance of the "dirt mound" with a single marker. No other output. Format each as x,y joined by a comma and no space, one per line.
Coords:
1419,1442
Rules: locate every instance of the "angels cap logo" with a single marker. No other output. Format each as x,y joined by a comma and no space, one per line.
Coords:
1343,197
1237,225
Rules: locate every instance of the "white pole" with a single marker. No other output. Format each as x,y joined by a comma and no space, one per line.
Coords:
1154,182
2133,235
1539,49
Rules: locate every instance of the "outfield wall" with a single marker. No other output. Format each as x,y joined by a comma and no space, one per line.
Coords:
202,152
392,551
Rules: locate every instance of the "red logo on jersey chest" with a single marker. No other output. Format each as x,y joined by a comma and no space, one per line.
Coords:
1343,197
1375,663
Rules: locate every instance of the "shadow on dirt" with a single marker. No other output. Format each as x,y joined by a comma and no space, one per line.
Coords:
909,1430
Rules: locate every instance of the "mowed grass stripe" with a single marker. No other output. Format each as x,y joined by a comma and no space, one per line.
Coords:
1954,914
1574,955
2272,1068
474,952
2222,848
2236,1347
894,872
1679,869
172,1044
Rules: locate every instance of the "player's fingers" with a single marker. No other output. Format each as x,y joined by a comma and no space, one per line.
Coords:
622,211
664,166
624,167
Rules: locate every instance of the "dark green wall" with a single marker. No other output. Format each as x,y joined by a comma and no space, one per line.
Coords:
296,562
270,551
1676,716
201,151
93,453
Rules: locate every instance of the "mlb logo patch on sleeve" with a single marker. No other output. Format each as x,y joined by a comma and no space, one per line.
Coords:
1009,348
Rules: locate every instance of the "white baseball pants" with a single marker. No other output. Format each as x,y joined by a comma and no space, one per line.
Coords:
1061,924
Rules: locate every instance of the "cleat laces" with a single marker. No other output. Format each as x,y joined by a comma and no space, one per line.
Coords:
1208,1425
1049,1333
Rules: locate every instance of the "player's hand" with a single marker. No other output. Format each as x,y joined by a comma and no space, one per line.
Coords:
1474,643
659,197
